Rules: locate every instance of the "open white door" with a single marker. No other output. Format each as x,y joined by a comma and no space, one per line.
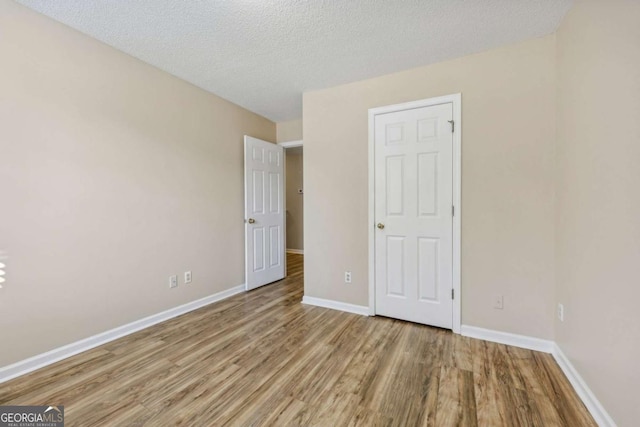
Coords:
264,212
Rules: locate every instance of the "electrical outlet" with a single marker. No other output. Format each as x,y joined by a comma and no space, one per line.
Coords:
173,281
187,277
3,268
2,273
347,277
561,312
498,303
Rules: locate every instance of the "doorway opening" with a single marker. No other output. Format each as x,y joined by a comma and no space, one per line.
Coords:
294,213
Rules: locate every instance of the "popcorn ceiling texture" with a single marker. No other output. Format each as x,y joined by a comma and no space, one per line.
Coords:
262,54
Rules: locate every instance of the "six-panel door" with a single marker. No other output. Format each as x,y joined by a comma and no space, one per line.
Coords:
264,212
413,214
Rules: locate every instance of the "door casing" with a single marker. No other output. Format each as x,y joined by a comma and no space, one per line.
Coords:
456,101
285,145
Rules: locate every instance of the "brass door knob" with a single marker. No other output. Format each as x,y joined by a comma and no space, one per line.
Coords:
251,221
380,226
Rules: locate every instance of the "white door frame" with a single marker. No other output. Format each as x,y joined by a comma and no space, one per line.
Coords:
456,101
292,144
285,145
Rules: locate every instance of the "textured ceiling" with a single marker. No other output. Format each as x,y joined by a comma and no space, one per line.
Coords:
262,54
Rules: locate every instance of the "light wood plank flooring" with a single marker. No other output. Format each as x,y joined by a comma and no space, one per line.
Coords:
263,358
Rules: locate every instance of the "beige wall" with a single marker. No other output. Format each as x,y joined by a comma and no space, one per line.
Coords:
113,176
508,103
295,200
598,194
110,175
289,131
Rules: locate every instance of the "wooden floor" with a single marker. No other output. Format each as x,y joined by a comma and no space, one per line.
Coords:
263,358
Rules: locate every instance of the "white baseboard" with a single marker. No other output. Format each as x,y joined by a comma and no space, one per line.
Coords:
594,406
296,251
336,305
515,340
23,367
36,362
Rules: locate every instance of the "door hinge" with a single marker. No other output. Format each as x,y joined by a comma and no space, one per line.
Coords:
453,210
453,293
453,125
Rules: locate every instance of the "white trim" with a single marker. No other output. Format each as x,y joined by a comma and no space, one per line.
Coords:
457,217
36,362
291,144
456,101
594,406
284,201
372,215
522,341
336,305
296,251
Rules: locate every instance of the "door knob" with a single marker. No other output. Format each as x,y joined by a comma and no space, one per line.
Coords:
380,225
251,221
